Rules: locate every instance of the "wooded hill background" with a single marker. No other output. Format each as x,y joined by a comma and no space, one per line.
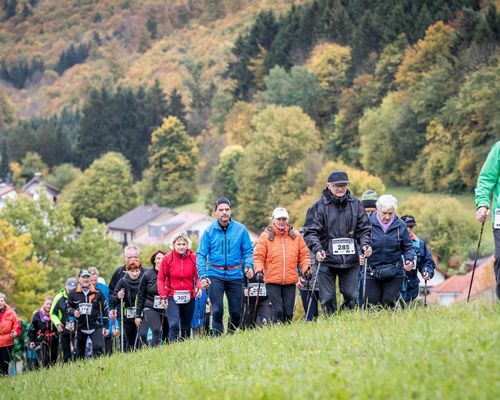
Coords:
126,102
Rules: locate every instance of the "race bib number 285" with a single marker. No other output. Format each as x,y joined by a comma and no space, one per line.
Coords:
343,246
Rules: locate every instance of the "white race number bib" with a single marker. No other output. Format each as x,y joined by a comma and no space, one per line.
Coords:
182,296
130,312
85,308
343,246
496,221
254,287
157,302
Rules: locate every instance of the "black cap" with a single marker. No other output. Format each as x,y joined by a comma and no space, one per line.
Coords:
222,200
338,177
409,220
84,272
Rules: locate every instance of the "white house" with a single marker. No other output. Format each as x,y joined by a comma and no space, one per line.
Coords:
36,186
6,192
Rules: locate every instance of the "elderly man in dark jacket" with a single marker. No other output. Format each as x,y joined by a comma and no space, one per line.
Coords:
335,230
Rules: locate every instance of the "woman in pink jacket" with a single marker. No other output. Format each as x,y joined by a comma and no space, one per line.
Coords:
10,327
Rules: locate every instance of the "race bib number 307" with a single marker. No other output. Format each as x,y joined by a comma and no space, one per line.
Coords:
343,246
182,296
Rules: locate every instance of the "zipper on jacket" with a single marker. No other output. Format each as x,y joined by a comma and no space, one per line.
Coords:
284,257
86,315
224,248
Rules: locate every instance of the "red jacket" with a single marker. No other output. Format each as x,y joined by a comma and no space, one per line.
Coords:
177,273
8,322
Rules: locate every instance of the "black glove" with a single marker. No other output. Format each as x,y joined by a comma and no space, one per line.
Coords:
307,275
259,277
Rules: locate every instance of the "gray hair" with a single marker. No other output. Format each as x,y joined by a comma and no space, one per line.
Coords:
131,247
183,236
387,202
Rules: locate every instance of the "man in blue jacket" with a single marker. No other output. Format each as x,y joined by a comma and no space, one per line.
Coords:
224,254
425,263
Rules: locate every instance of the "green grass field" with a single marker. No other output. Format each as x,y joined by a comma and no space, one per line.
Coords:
434,353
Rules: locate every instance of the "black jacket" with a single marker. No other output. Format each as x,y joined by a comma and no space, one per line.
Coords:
99,313
131,289
148,289
119,273
39,330
332,217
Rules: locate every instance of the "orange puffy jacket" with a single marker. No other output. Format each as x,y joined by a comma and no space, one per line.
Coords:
8,322
278,255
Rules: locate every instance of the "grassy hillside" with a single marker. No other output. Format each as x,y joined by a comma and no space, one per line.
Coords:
440,353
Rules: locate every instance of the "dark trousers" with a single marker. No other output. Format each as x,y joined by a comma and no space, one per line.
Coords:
66,345
348,285
496,235
256,313
130,334
49,348
313,296
282,298
234,294
5,353
97,343
179,319
152,319
385,292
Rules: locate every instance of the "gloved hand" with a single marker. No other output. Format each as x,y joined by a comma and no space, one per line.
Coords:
259,277
307,275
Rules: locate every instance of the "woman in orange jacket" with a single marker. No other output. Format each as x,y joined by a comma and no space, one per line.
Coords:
279,251
10,327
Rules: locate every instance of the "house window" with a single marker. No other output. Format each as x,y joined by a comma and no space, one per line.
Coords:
155,230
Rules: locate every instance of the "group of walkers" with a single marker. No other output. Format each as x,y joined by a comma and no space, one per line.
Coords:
374,255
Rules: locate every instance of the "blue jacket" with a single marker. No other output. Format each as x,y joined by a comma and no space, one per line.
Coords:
223,254
425,263
390,246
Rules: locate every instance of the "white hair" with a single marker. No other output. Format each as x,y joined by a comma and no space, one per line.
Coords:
387,202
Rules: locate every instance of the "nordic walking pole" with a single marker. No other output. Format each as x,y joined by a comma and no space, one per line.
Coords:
256,305
475,260
314,284
363,293
425,293
121,325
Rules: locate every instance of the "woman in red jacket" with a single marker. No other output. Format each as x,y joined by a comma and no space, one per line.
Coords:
10,327
178,286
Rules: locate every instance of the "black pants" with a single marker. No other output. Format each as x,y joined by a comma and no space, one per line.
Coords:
5,353
253,318
97,343
179,319
496,235
130,334
66,345
282,298
348,285
384,293
48,351
152,319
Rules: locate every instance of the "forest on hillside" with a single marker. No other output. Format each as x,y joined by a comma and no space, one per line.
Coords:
259,99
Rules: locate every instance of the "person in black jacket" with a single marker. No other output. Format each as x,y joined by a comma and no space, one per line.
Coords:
336,226
150,311
43,336
88,305
125,294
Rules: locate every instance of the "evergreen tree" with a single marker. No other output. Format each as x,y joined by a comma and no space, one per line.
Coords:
176,107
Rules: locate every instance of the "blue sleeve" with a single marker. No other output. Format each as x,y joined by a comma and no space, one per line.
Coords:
247,249
407,245
427,264
201,255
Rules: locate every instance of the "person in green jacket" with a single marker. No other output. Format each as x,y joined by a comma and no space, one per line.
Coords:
488,182
65,325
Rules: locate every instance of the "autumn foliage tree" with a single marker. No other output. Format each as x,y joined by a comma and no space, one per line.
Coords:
170,179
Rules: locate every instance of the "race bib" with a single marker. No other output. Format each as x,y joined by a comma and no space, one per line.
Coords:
182,296
253,288
85,308
130,312
157,302
496,221
343,246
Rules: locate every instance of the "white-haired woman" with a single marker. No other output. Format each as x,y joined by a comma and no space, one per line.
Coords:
178,286
393,253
